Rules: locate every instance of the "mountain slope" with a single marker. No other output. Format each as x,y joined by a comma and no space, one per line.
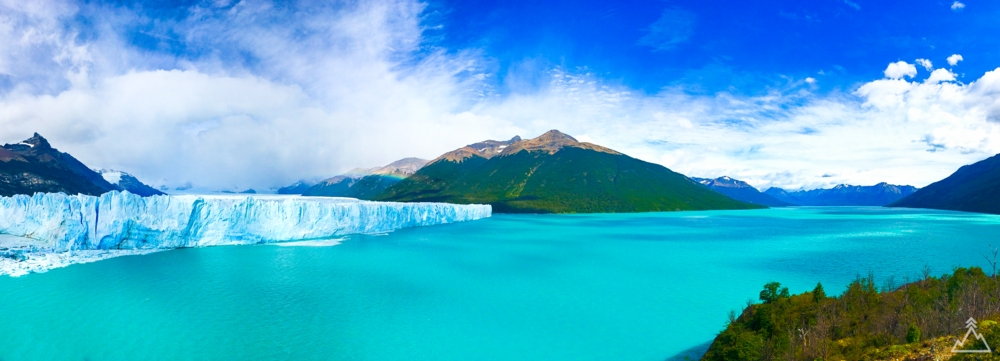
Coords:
741,191
365,183
126,182
296,188
845,195
371,185
34,166
554,173
972,188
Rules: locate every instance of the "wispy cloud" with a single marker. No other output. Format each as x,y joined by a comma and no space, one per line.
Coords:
674,27
956,6
852,4
926,64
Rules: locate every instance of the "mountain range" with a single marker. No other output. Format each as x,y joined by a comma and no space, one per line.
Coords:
34,166
554,173
367,183
126,182
972,188
741,191
844,195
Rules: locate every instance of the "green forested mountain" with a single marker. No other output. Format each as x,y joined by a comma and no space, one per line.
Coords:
554,173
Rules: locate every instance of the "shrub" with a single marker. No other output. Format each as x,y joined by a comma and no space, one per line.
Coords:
913,334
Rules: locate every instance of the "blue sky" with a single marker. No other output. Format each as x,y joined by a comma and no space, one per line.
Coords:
256,93
711,46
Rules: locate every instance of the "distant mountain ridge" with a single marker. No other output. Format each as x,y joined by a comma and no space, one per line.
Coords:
554,173
126,182
972,188
34,166
366,183
741,191
844,195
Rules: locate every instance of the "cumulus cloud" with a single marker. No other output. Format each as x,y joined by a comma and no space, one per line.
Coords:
900,69
926,64
262,105
811,80
954,59
264,95
940,75
674,27
956,6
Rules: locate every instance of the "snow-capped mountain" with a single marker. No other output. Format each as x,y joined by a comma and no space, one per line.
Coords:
845,195
126,182
34,166
741,191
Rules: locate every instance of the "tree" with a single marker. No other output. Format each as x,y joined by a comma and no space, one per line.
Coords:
773,292
818,294
912,334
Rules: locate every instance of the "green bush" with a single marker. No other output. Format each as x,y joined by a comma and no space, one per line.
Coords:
913,334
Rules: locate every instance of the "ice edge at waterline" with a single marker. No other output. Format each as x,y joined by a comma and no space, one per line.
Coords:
50,230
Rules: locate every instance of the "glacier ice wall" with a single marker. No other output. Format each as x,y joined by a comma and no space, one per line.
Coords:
114,220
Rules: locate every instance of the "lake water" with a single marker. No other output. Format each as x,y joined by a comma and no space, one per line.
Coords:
514,287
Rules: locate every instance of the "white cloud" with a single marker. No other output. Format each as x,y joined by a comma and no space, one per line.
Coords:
282,95
956,6
852,4
787,138
351,94
926,64
940,75
900,69
811,80
954,59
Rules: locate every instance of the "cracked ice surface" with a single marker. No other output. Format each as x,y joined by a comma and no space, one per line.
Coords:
49,225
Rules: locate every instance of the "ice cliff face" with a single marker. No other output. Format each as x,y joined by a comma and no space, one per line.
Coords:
58,222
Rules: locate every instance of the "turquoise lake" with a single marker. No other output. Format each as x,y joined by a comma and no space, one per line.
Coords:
650,286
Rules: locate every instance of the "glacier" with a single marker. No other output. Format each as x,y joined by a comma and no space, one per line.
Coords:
48,225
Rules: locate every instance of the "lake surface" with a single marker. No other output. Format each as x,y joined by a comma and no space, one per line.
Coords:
514,287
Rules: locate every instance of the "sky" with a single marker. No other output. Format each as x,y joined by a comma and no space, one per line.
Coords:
231,94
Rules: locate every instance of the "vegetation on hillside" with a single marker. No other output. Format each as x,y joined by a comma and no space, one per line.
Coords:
865,322
571,180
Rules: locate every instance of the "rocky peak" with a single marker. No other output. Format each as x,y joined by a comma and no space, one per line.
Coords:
38,141
551,142
405,167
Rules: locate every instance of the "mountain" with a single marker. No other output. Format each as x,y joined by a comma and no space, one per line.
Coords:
741,191
297,188
126,182
365,183
554,173
844,195
972,188
34,166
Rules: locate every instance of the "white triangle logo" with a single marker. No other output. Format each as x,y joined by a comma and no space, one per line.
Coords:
971,325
